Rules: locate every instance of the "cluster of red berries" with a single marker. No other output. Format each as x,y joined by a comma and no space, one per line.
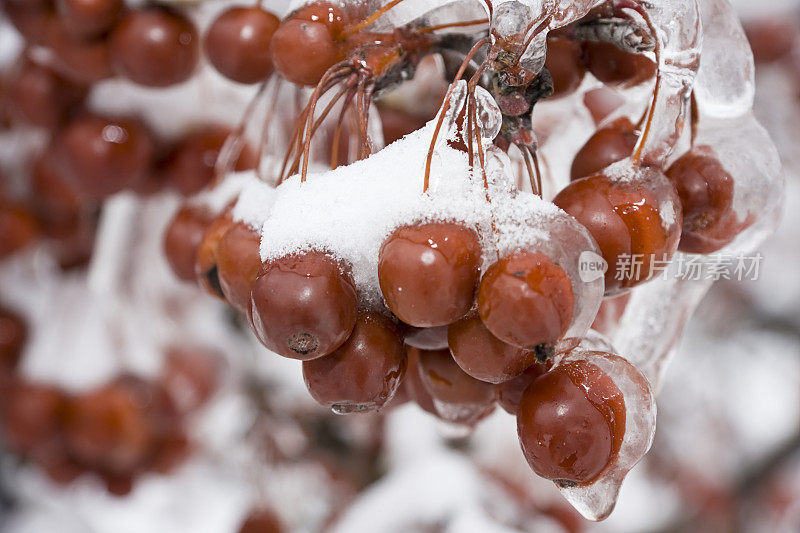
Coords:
457,340
458,333
116,431
91,41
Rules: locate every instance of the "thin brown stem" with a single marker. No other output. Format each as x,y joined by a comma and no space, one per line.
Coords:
337,133
232,147
639,151
694,119
352,30
526,157
311,129
431,29
446,106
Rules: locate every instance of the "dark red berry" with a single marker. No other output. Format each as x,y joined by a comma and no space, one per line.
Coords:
526,300
304,306
428,272
362,374
571,423
156,47
482,355
238,43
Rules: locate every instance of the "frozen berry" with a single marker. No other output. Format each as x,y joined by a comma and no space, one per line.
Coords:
304,306
526,300
363,373
428,272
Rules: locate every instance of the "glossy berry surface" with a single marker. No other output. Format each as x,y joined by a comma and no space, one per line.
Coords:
87,19
565,64
428,272
571,423
155,47
362,374
104,155
625,220
189,167
509,394
413,384
307,43
182,239
205,267
482,355
611,143
238,264
238,43
615,67
706,192
78,59
457,396
526,300
303,306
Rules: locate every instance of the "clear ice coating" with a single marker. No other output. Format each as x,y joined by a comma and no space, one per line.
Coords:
678,36
725,85
748,154
597,499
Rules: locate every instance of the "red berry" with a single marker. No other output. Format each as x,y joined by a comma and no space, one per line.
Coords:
206,263
616,67
771,39
77,59
482,355
238,264
601,102
571,423
31,18
238,43
18,228
526,300
706,192
413,384
108,428
397,124
307,43
156,47
41,97
31,416
625,220
104,155
87,19
611,143
565,64
304,306
190,376
457,396
190,165
509,394
362,374
428,272
182,239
